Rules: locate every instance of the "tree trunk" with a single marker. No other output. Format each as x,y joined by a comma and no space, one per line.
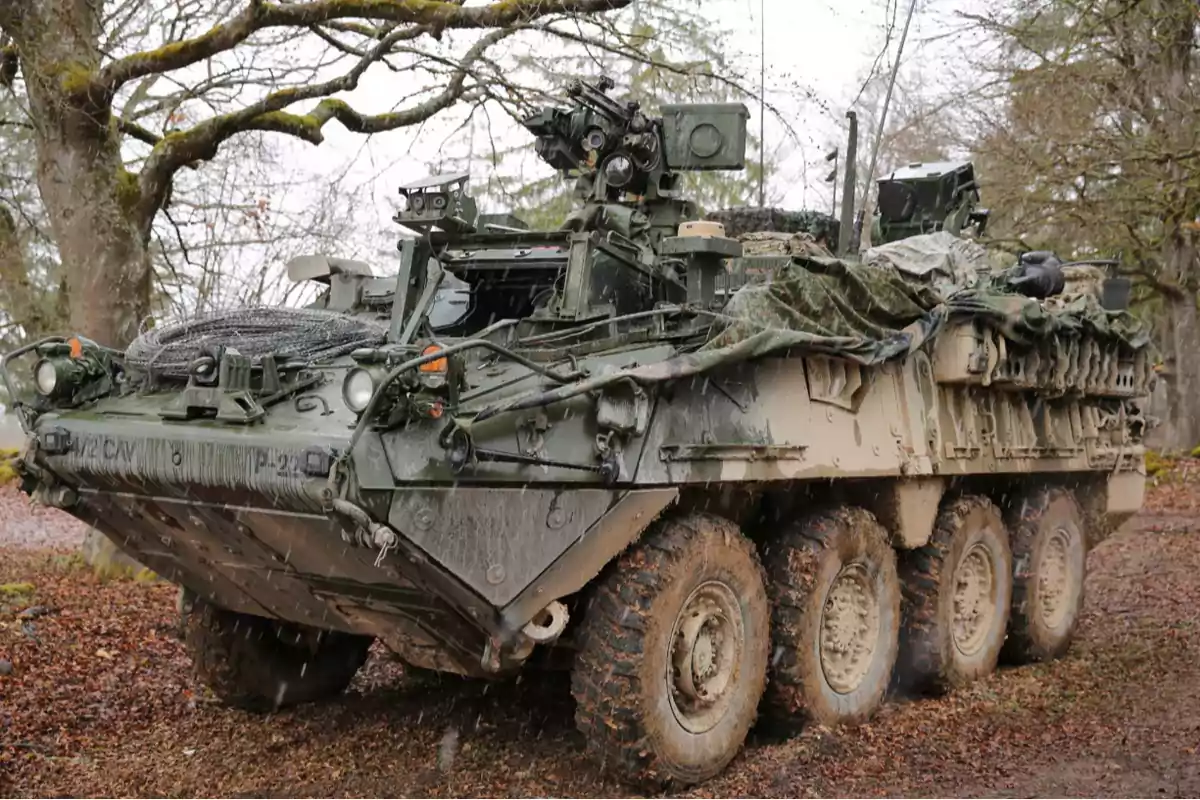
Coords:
1182,337
22,300
89,196
1182,376
14,280
1175,35
82,181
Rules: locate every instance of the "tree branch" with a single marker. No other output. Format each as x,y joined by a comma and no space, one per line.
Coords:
135,131
429,15
202,141
308,126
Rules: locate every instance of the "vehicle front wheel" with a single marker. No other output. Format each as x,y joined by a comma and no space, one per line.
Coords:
673,655
260,664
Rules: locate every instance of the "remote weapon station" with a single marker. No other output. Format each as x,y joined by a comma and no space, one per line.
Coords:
719,478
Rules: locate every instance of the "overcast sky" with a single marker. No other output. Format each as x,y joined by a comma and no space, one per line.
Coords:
826,45
817,53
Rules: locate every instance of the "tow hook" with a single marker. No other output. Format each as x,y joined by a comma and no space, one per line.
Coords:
548,624
545,627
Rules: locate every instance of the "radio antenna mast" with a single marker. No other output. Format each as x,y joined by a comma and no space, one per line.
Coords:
762,104
886,102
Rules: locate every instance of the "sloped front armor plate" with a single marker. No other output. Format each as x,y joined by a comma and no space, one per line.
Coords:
497,541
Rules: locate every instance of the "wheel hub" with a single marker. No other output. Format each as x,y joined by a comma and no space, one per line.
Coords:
706,651
1054,579
974,599
849,629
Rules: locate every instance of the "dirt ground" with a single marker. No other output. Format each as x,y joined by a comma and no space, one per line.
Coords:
99,700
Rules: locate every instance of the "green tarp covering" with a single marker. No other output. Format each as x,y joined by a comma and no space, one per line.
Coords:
897,297
868,314
892,302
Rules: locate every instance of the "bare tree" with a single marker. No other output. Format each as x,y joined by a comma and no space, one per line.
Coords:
28,270
661,51
923,123
225,233
1094,150
90,102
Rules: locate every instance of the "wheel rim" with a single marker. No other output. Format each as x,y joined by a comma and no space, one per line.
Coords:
974,599
1054,579
849,629
706,652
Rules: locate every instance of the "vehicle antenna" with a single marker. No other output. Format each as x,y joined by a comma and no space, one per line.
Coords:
886,102
762,104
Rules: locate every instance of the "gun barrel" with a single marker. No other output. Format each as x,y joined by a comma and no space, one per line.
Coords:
594,98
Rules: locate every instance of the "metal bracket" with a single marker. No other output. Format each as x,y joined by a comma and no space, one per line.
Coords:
229,401
461,453
55,441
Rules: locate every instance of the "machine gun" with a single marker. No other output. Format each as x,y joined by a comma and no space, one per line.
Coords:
618,150
614,254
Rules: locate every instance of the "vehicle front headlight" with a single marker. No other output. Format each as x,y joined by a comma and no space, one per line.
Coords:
70,372
45,377
357,388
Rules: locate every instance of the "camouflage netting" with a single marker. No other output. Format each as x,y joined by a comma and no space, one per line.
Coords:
740,221
295,334
899,296
868,314
946,261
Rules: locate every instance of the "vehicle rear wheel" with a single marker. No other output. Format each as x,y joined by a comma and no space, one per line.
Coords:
835,619
260,664
673,654
1049,569
957,591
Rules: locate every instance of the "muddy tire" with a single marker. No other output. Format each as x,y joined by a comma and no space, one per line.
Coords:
673,654
1049,568
957,593
258,664
835,597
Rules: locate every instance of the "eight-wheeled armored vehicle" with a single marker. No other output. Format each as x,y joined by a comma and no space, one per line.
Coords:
717,477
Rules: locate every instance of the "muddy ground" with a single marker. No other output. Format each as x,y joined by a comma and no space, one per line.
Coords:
98,700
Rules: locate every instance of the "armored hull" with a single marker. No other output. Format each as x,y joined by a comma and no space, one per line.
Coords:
719,480
242,514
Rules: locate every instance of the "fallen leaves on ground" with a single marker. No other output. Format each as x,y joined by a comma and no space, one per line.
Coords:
27,525
100,701
1174,492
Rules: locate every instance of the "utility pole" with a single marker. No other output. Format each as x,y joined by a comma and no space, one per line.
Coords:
846,220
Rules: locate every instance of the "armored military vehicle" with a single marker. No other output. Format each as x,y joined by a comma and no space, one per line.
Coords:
718,479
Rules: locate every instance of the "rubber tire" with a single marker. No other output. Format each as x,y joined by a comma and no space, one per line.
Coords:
619,680
247,664
929,660
802,565
1032,521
